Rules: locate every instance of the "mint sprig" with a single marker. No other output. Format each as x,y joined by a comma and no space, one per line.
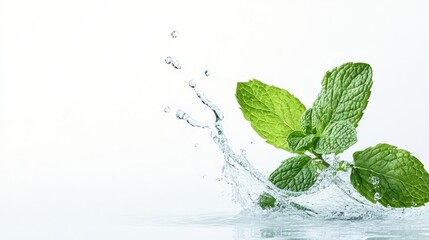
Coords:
384,173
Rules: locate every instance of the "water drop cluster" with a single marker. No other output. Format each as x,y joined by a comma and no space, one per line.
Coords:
174,62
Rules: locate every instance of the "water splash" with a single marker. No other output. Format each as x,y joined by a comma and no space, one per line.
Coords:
174,34
332,196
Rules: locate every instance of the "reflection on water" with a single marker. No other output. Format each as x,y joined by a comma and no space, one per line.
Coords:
279,226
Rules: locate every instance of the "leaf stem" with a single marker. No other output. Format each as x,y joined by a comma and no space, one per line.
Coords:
319,157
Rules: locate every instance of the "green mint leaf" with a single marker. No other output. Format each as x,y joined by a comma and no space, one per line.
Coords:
336,138
344,95
273,112
296,174
308,122
266,201
390,176
299,141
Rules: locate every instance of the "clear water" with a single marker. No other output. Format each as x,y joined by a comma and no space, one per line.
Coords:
331,209
251,226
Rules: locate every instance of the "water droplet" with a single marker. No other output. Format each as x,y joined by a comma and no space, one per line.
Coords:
375,180
196,145
207,73
168,60
192,83
176,64
414,204
167,109
174,34
252,142
377,196
180,114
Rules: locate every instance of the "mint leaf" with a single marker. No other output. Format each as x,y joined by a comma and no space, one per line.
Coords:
266,201
296,174
273,112
299,141
390,176
336,138
308,122
344,95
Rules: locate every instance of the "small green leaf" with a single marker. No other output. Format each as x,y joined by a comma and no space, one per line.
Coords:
273,112
390,176
299,141
308,122
344,96
296,174
266,201
336,138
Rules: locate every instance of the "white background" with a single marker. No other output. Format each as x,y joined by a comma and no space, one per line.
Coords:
83,84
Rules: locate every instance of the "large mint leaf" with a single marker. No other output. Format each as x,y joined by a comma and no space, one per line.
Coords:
344,95
296,174
273,112
299,141
336,138
390,176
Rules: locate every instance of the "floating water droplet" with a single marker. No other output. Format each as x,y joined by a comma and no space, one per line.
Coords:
252,142
375,180
196,145
377,196
174,34
207,73
167,109
192,83
180,114
168,60
176,64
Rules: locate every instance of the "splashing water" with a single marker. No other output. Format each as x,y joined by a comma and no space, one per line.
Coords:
332,196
